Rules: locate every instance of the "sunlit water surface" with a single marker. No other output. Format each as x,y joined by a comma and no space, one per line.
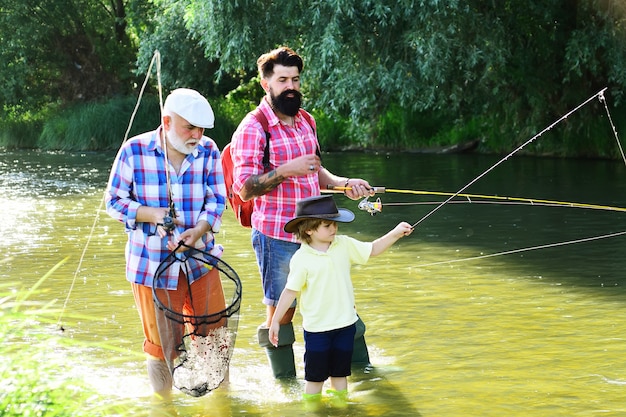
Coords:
464,318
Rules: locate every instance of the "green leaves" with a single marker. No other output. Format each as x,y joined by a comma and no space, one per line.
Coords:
61,51
469,58
517,61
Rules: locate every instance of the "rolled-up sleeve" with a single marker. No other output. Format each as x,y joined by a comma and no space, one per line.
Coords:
247,148
119,203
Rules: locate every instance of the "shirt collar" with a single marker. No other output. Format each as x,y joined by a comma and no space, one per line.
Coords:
155,142
308,247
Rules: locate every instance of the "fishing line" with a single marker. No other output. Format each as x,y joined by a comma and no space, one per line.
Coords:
155,58
509,155
549,245
376,207
606,108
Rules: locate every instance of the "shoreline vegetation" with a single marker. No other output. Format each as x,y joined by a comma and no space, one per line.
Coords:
36,370
101,126
399,77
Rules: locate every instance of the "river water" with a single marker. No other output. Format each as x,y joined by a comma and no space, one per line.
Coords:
482,311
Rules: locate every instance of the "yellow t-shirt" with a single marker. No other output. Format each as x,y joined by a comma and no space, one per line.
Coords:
323,280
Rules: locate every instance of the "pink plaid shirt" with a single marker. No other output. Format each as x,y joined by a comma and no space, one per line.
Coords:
274,209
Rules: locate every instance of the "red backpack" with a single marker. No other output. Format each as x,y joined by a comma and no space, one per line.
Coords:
243,209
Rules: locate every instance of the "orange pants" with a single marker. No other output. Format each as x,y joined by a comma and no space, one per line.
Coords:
207,292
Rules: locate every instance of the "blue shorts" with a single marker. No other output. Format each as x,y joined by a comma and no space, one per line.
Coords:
273,256
328,354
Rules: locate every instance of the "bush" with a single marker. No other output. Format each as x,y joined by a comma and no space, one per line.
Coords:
228,113
102,126
20,131
98,125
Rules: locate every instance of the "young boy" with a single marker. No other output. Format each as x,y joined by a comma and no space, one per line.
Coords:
320,272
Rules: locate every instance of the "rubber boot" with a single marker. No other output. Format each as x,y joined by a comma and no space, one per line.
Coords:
338,399
360,355
281,357
312,402
160,376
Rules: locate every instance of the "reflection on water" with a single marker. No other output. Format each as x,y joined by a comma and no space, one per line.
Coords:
452,330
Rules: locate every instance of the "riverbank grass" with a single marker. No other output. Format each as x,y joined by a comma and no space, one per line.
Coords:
103,126
35,366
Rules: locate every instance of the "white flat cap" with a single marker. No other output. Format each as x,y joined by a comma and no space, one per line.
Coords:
191,106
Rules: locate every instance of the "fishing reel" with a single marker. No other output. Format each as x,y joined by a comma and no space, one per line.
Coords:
168,221
372,207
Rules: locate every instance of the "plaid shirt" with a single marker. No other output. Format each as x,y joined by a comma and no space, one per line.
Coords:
138,179
274,209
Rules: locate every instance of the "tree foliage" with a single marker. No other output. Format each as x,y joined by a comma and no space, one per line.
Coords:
514,64
183,61
62,51
522,60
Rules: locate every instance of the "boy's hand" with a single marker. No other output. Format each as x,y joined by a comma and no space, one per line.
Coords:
273,333
403,229
383,243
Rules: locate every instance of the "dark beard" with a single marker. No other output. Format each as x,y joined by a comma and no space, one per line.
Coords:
287,105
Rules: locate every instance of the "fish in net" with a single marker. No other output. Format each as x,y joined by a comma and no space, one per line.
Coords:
198,332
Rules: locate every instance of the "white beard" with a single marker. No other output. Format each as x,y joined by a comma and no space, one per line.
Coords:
178,144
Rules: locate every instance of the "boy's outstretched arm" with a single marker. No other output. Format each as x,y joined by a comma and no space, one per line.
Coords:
284,302
383,243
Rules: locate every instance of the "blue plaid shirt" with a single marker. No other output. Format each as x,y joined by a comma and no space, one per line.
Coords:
138,179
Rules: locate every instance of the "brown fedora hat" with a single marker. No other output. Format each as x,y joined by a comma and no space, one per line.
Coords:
318,207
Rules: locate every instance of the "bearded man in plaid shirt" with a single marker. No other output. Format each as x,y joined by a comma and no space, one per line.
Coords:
296,172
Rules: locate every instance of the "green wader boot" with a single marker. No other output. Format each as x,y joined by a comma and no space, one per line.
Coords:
281,357
360,355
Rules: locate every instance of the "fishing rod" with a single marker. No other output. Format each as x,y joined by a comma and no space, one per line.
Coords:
168,220
608,114
375,207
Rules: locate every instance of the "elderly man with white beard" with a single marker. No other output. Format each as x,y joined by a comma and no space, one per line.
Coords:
166,186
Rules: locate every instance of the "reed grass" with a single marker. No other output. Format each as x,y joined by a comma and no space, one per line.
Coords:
101,126
35,364
20,133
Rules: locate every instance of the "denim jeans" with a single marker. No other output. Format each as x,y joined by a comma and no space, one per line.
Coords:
273,256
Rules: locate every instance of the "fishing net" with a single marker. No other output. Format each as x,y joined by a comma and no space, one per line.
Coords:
198,335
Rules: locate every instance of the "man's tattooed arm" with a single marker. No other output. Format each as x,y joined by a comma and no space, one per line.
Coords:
258,185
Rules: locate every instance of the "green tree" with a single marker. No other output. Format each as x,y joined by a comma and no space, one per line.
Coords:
508,67
63,51
517,61
183,59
